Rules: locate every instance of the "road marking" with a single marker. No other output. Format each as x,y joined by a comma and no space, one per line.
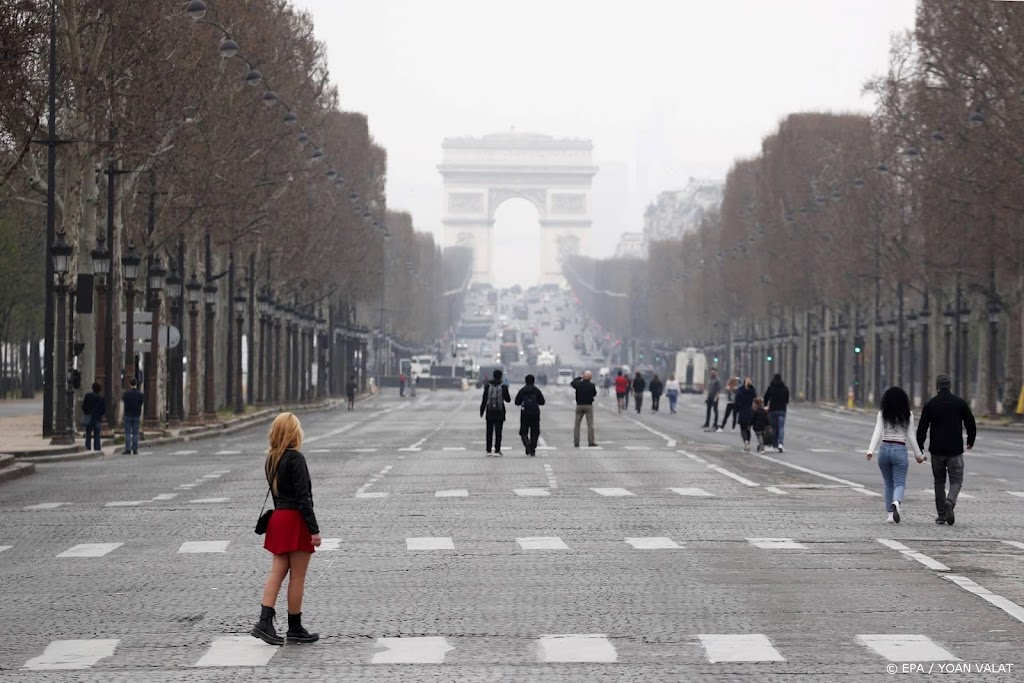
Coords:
637,448
419,650
914,555
90,549
43,506
371,494
187,486
212,476
430,543
822,450
361,491
541,543
733,475
532,492
209,500
228,453
576,647
739,647
866,492
409,450
550,474
695,458
5,547
1019,494
776,489
452,493
808,470
776,544
364,450
222,471
72,654
416,446
166,496
898,647
184,452
1008,606
1015,544
700,493
333,432
613,492
238,651
454,448
652,543
204,547
123,504
320,450
669,441
328,544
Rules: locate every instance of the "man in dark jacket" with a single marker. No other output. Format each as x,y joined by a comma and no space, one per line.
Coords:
586,392
133,400
638,390
776,399
947,416
656,388
530,399
94,408
492,407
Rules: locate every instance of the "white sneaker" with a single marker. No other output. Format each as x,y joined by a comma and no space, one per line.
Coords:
718,430
889,519
895,514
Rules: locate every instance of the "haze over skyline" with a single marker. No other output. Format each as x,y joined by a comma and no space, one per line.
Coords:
668,90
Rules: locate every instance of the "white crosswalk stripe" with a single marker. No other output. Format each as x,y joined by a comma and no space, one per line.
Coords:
776,543
699,493
898,647
652,543
452,493
123,503
542,543
204,547
43,506
577,648
739,647
430,543
532,492
5,547
72,654
90,549
421,650
613,492
209,500
238,651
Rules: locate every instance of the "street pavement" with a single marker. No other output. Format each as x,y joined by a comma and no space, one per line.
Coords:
666,554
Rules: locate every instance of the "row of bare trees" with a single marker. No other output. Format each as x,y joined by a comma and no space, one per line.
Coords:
181,122
856,251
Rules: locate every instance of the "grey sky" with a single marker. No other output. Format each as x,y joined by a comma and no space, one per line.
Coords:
665,89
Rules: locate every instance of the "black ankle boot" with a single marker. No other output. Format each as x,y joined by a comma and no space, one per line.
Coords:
296,633
264,628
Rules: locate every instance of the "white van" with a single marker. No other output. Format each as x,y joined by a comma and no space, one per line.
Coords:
691,367
420,366
565,376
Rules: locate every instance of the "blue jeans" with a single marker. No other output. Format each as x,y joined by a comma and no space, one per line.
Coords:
131,434
892,460
92,434
778,422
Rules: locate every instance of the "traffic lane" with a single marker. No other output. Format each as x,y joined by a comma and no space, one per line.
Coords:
19,407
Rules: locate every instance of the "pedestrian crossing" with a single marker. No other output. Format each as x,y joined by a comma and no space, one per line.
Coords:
565,648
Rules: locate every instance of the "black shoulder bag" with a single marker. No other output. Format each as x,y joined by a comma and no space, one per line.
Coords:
264,520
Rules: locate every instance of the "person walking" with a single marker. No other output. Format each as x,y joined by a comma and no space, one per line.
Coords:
744,400
894,427
711,400
414,379
530,399
760,423
292,532
656,388
94,409
401,385
350,392
776,399
730,401
946,416
621,388
606,385
492,408
638,390
672,391
585,394
133,399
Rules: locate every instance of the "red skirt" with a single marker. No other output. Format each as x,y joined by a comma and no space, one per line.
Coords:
287,532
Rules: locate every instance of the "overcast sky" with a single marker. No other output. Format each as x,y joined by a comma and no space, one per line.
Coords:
666,89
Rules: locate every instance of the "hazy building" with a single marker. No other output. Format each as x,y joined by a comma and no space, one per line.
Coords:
631,245
677,212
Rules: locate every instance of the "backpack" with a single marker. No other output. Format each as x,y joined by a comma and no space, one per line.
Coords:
529,403
495,400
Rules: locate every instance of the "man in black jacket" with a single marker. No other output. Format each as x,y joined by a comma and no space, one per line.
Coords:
94,408
133,400
776,400
638,391
947,415
492,406
586,392
530,399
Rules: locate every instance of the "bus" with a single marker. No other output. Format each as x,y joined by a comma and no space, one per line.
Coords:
420,366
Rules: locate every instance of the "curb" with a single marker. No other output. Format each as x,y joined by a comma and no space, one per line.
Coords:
57,450
80,454
17,471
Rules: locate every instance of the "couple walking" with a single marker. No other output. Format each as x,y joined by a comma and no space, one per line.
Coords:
492,407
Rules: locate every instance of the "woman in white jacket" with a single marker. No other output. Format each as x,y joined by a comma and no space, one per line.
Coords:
672,391
894,429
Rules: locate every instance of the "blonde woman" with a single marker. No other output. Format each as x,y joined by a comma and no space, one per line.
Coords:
292,533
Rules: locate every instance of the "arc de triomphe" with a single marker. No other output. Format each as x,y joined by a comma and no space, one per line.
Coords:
553,174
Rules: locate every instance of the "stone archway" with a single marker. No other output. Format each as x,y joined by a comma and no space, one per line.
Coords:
553,174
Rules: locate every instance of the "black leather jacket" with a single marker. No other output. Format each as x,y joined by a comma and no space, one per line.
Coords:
294,489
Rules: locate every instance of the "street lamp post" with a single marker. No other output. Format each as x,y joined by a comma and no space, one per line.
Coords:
101,268
890,363
130,264
240,300
209,399
994,309
947,320
926,353
287,374
155,276
194,292
263,304
64,430
911,348
965,386
174,393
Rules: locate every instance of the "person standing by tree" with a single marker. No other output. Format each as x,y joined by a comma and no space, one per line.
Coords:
745,396
530,399
586,392
946,415
656,388
776,399
638,391
672,391
492,408
714,388
94,407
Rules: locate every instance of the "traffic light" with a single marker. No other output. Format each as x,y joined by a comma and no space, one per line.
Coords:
768,358
858,344
641,356
714,359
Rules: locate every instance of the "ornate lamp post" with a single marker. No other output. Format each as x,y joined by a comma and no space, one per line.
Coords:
947,320
194,292
64,430
240,300
263,306
209,399
174,393
964,375
925,319
130,264
994,309
155,276
911,348
101,268
892,327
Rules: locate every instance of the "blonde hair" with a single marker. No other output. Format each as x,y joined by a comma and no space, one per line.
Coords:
285,433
